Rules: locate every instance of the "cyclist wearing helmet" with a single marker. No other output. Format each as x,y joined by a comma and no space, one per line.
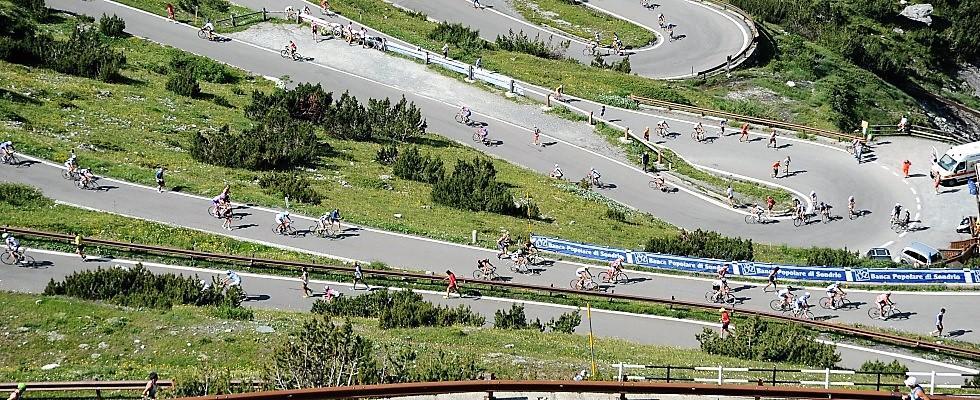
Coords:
231,279
614,267
283,221
835,293
785,295
13,245
594,176
882,300
802,304
915,390
18,393
896,212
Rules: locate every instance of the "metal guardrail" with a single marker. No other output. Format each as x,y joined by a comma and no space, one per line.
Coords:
235,19
916,131
771,376
251,261
97,386
622,388
746,53
669,106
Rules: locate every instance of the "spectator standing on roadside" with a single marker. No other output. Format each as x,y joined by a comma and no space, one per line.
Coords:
722,125
939,323
773,273
79,246
730,193
151,388
726,320
452,286
646,134
170,13
359,276
159,177
445,50
645,158
305,278
905,168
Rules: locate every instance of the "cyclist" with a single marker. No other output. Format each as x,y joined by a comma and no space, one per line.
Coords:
557,173
231,280
330,293
882,300
292,49
13,245
465,113
785,295
583,274
662,128
802,304
813,198
71,163
721,289
86,176
824,210
757,211
594,176
18,393
835,293
530,249
614,267
915,390
335,218
208,29
283,221
221,204
851,206
699,132
485,266
323,221
502,242
483,134
660,183
6,150
896,212
800,209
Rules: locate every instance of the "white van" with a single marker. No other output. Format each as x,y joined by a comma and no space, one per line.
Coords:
957,165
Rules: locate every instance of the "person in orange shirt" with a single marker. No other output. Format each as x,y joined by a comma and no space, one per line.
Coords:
726,320
170,12
745,133
775,169
905,168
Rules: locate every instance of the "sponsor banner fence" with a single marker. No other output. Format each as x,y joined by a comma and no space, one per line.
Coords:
755,269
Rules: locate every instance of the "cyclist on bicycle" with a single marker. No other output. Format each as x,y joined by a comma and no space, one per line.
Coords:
802,305
557,172
13,245
594,176
335,217
71,163
86,176
721,289
835,293
851,206
465,114
208,29
483,134
662,128
502,242
785,295
485,266
882,300
583,275
530,249
813,198
824,210
231,279
896,212
614,267
699,132
283,221
221,204
6,149
757,212
291,47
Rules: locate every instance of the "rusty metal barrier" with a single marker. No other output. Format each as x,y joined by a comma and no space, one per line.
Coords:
622,388
76,386
251,261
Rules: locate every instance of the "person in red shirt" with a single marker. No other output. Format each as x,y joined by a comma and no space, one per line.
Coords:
745,133
770,203
905,168
726,319
775,169
453,287
170,12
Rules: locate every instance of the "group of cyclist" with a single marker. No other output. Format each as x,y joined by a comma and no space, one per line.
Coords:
616,44
84,176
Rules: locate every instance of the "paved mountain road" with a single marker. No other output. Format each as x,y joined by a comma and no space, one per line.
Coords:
425,254
284,293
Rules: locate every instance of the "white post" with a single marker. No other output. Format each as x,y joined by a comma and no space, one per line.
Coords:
720,378
932,383
826,379
473,239
287,202
620,377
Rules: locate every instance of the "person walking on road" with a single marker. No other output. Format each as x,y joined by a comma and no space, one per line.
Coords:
645,158
646,134
452,286
159,177
305,278
906,165
79,246
726,320
936,183
722,125
939,323
772,139
786,165
745,133
730,193
773,273
359,276
775,169
537,137
858,150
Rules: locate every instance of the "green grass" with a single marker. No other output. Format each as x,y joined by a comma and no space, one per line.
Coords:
581,21
91,340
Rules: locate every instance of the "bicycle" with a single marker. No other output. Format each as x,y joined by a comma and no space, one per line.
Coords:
659,184
462,119
70,175
23,259
889,311
618,277
519,265
756,219
713,297
286,231
592,49
780,305
588,285
899,226
203,34
480,138
10,159
697,135
853,214
595,182
88,184
285,53
833,303
803,313
218,211
328,231
826,216
490,275
799,220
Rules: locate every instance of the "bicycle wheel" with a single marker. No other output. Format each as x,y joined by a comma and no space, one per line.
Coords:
776,305
27,260
459,118
892,312
622,278
574,284
709,296
67,175
478,274
797,222
477,137
852,215
316,232
212,211
7,258
806,315
605,277
729,298
591,285
750,219
826,302
201,34
874,313
284,53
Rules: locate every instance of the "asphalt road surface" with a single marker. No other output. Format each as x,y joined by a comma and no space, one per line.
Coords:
413,252
284,293
824,168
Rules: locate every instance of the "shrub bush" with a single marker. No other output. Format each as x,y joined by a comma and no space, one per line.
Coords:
520,42
616,214
401,309
306,102
704,244
759,340
379,121
278,142
822,256
467,40
183,83
386,155
34,8
623,65
515,319
412,165
138,287
473,186
893,367
112,26
566,323
292,185
202,68
85,53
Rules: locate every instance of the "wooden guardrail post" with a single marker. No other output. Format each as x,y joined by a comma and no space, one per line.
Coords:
265,16
233,19
591,120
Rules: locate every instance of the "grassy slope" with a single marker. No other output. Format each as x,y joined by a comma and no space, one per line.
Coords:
582,21
46,330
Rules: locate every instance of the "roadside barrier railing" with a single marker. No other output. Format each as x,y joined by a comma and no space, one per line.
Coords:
919,131
793,377
742,56
82,386
549,290
490,387
235,19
